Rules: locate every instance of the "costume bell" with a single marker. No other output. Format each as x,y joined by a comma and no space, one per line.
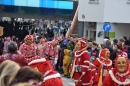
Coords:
120,75
51,77
81,71
101,67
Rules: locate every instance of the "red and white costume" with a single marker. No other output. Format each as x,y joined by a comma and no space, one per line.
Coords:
115,78
51,77
101,63
40,45
28,50
50,52
18,58
81,66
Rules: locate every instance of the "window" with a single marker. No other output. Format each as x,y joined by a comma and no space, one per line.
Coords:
93,1
128,2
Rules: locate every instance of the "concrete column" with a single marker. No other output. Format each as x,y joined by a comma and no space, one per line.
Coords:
80,29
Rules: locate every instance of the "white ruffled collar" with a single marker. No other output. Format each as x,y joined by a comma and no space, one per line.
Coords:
77,55
103,63
122,74
126,82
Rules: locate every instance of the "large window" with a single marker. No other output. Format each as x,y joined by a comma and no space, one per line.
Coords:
40,3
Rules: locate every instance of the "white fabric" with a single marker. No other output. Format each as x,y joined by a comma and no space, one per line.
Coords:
83,73
55,60
37,61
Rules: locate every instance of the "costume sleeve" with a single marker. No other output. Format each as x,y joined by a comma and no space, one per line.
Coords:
86,62
107,81
21,48
1,59
5,45
96,67
34,51
42,54
56,52
22,60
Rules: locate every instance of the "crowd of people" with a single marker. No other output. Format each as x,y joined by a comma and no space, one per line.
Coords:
32,63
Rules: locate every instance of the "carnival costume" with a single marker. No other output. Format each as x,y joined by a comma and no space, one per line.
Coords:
101,67
50,51
51,77
66,61
81,71
28,49
116,77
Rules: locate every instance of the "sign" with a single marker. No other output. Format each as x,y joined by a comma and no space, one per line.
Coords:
107,27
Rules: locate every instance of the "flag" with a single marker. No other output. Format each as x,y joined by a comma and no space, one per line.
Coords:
100,78
73,68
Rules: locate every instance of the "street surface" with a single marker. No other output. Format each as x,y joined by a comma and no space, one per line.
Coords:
67,81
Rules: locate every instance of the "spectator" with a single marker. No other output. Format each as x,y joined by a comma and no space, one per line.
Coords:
50,34
8,70
21,84
121,41
1,46
13,54
27,74
112,52
125,37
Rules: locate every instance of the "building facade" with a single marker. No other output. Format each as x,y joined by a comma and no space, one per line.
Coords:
116,12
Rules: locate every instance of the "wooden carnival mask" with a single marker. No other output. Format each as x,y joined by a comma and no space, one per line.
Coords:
121,64
107,54
78,45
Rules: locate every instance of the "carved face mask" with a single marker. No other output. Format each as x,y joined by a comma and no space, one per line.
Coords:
107,54
29,40
78,45
121,64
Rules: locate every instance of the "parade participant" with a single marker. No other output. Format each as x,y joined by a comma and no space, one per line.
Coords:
40,45
51,77
120,75
81,71
8,39
28,48
13,54
101,67
66,62
50,51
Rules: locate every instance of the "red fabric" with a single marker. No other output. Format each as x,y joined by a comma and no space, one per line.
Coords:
83,44
80,60
53,82
29,36
109,82
126,61
20,59
28,50
96,71
43,67
103,52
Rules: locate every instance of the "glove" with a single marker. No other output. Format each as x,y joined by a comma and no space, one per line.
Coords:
56,60
83,73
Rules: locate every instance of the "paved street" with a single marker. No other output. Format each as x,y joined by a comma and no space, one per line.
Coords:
67,81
